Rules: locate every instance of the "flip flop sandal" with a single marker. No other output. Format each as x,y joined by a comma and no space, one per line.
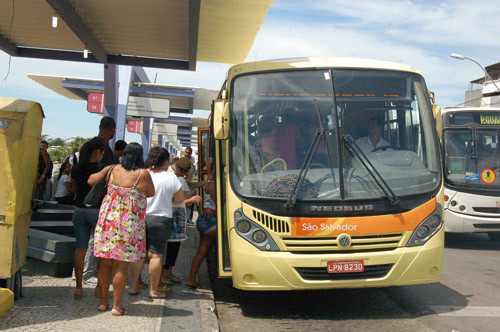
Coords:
164,288
166,281
174,279
103,307
143,285
194,287
119,312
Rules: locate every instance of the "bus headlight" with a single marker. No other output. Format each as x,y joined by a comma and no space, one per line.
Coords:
253,233
427,228
259,236
434,220
422,231
243,225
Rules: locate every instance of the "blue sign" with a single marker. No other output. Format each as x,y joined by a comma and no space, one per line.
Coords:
471,176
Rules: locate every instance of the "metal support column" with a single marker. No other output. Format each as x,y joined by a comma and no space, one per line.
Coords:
147,135
126,79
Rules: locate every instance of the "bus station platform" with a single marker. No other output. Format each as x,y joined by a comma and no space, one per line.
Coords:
47,302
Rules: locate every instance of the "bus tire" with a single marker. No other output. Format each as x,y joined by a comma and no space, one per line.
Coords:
15,284
494,236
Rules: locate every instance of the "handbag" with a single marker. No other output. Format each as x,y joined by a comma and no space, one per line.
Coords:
96,194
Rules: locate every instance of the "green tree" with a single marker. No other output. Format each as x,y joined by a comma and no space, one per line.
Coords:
77,143
56,142
59,154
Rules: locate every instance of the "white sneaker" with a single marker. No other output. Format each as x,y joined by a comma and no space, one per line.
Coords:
91,281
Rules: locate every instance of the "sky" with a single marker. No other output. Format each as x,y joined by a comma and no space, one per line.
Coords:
421,34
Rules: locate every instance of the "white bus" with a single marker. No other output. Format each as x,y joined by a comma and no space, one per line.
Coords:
471,170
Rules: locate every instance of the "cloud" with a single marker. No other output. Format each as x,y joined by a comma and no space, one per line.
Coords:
429,22
421,34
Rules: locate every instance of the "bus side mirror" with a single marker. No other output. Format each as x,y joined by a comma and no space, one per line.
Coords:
221,119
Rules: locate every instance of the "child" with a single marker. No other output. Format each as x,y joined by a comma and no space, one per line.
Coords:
64,192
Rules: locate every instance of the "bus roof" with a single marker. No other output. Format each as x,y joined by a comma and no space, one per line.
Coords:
469,108
318,62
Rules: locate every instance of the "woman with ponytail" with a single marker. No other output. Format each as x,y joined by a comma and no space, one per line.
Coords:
84,219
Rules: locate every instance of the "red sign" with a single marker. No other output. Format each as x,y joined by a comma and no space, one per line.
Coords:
345,266
134,126
95,103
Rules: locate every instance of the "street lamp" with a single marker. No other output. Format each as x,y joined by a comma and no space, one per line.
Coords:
461,57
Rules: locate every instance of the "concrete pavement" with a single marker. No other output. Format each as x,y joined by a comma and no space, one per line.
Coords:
48,305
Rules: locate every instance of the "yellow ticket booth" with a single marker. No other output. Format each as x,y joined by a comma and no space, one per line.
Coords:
20,129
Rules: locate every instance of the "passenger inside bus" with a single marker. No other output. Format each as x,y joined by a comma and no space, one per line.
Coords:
266,156
374,139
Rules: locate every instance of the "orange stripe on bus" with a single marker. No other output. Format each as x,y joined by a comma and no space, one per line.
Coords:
390,223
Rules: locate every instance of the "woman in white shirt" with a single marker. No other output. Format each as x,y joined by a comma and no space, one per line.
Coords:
181,169
64,193
158,220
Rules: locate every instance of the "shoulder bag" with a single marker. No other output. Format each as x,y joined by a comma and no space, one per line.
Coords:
96,194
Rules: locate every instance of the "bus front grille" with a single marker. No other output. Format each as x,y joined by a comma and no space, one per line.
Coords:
272,223
487,209
321,273
359,243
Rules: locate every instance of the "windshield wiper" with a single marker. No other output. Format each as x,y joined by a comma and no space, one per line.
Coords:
320,133
379,180
292,199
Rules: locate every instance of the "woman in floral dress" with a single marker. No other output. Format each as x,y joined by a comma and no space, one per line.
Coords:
120,232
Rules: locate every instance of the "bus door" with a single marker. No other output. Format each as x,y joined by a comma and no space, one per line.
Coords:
203,153
208,149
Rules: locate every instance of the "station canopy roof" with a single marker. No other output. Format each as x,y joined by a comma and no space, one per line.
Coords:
170,34
182,99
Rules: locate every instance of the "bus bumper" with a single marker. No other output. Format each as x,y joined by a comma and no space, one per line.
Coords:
256,270
464,223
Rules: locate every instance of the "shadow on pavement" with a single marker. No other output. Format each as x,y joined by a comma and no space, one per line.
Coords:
470,241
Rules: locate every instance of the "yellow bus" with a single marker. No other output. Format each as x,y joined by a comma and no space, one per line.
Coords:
328,175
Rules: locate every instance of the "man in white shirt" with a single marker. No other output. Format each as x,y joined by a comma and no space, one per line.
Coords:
373,140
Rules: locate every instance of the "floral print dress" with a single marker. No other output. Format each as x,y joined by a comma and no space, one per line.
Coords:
120,233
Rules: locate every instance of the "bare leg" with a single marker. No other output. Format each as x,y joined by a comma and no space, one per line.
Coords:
206,242
105,272
119,283
78,263
135,275
155,267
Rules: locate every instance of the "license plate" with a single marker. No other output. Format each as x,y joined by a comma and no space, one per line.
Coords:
345,266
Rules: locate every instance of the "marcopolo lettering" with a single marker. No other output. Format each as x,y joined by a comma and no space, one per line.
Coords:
341,208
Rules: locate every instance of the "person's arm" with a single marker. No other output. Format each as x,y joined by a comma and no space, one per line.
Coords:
96,177
148,180
47,165
179,197
210,189
67,184
198,184
192,200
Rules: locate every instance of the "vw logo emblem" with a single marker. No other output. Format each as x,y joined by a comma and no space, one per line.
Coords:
344,241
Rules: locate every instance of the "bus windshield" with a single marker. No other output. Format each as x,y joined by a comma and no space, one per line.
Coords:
472,158
281,119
